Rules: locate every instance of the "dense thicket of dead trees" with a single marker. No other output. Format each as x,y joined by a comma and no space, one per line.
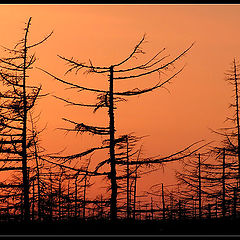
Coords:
213,184
192,178
44,187
108,98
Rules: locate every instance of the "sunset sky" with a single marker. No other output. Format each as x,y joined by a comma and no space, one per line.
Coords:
195,101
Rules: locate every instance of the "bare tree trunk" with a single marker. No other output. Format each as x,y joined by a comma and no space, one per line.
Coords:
39,192
179,209
101,207
237,115
59,200
184,211
146,213
33,198
163,204
22,208
223,186
24,135
194,208
128,204
152,212
76,197
68,203
84,198
130,200
234,202
134,194
216,212
139,207
113,209
37,166
199,188
51,199
171,206
38,185
209,211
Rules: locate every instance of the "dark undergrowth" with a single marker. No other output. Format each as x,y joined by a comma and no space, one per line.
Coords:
124,227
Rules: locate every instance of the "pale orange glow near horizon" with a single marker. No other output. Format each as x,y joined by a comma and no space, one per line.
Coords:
196,100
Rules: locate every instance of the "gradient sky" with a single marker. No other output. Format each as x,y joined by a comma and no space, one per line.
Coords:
197,99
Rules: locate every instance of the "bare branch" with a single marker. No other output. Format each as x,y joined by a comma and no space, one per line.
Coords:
81,127
156,69
135,50
138,91
76,104
75,169
43,40
171,158
72,84
78,155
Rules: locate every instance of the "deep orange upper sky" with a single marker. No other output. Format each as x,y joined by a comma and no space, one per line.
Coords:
106,34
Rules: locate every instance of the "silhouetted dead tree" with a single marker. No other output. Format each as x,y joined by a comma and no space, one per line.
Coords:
66,189
85,186
108,98
37,167
174,201
233,79
18,98
231,135
125,149
193,177
222,180
159,193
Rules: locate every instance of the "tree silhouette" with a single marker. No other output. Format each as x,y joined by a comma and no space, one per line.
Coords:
109,98
233,79
192,177
18,98
222,180
231,136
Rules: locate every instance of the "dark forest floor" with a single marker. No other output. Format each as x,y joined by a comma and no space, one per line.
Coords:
123,227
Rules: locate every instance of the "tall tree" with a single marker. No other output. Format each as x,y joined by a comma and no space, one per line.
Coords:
231,135
193,177
18,98
233,79
109,97
221,178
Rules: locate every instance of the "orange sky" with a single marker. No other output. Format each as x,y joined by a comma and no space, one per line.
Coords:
106,34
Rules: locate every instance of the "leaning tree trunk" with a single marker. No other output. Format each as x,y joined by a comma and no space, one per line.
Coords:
24,134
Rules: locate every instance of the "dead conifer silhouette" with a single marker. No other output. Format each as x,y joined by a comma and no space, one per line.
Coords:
230,144
18,98
110,97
